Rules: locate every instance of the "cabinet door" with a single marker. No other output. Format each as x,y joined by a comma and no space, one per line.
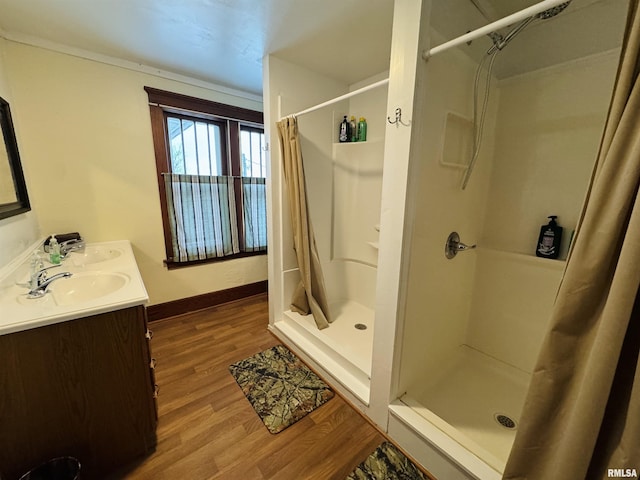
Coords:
78,388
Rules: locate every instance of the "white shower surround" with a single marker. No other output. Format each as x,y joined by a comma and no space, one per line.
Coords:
489,308
418,291
344,183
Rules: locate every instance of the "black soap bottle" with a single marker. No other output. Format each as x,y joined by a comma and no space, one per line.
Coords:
549,239
344,133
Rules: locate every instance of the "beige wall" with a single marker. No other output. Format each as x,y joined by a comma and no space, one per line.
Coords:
20,231
86,140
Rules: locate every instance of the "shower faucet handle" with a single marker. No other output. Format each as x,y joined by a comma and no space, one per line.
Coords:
454,245
464,246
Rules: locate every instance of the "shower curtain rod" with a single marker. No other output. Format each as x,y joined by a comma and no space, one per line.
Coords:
426,54
492,27
340,98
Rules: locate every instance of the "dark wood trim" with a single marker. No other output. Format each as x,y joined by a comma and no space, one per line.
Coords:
158,129
235,157
177,100
162,104
206,300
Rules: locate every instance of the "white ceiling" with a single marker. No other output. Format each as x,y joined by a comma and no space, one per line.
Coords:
224,41
219,41
584,27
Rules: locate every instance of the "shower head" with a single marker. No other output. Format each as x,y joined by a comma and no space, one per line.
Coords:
553,11
499,42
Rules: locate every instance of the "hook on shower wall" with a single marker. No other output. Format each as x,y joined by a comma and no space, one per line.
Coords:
398,120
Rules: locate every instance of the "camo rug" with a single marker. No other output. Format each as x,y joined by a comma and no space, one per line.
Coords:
280,388
387,463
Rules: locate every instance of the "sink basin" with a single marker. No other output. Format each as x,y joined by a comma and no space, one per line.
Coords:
94,254
83,287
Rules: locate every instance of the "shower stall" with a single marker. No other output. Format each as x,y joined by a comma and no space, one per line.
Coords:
511,132
343,186
486,140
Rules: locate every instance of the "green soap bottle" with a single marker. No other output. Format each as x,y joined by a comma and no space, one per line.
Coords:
54,250
362,130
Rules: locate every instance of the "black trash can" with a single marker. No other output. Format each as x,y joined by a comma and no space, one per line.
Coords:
62,468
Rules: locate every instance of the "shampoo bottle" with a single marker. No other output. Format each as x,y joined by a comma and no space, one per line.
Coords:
362,130
549,239
54,250
344,131
354,129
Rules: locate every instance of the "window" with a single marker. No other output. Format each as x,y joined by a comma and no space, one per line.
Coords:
211,166
196,146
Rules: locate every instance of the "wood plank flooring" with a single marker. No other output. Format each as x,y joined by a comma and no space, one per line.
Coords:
208,430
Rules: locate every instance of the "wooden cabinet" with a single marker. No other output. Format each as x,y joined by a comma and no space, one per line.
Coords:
83,388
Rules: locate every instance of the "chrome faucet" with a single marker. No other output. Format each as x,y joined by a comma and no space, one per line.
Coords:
39,282
74,245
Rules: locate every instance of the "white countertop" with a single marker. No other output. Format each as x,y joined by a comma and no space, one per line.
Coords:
17,313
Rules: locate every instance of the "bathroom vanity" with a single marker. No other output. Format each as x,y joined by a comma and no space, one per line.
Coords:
76,373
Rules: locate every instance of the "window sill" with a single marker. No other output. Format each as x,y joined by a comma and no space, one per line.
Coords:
171,265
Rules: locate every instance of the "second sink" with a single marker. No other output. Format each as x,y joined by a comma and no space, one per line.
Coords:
83,287
94,254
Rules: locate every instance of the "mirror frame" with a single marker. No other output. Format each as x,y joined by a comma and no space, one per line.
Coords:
21,205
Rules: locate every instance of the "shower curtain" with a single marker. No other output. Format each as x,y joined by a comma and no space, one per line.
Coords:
310,294
582,412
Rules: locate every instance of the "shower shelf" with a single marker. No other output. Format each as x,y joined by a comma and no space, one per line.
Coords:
457,141
525,257
354,144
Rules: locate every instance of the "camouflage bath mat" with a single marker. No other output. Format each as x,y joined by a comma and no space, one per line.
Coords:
387,463
280,387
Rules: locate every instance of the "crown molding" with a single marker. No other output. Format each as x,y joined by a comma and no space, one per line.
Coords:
126,64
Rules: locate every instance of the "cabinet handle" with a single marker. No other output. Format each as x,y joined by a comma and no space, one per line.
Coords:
152,364
149,334
156,391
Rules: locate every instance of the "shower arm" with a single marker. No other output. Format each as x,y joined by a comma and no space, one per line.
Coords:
531,11
500,44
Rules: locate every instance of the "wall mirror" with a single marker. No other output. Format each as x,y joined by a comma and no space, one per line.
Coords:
13,189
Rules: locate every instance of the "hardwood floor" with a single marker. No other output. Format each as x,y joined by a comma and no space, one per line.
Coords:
208,430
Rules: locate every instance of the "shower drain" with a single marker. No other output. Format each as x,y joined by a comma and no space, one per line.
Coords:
505,420
360,326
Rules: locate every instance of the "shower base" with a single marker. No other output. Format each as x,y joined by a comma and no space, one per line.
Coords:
476,401
344,349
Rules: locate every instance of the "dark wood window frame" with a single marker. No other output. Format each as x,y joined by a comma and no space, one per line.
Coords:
163,103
